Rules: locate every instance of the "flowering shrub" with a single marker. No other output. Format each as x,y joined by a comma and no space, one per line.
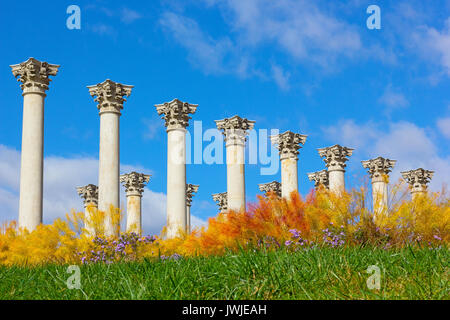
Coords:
322,219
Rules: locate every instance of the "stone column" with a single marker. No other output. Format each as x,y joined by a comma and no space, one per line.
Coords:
320,179
273,187
109,96
134,184
190,190
34,78
176,116
288,143
235,130
222,201
335,158
89,194
379,169
418,180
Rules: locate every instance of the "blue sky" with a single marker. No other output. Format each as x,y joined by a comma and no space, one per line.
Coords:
312,67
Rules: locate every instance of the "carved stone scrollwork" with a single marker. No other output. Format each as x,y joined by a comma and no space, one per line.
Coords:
190,190
335,157
320,178
288,144
34,75
176,113
89,194
134,183
222,201
418,179
235,129
273,186
110,95
379,168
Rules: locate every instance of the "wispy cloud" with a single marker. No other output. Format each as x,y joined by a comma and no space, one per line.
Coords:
61,177
297,29
129,16
393,99
412,146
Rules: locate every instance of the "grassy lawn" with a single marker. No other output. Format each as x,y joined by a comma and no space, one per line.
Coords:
313,274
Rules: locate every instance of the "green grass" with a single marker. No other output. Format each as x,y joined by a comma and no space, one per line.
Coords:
314,274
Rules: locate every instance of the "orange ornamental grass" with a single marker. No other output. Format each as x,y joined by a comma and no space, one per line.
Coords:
321,219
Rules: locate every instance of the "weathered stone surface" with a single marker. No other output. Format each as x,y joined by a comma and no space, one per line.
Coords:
176,118
418,180
176,113
110,95
222,201
34,76
271,187
320,178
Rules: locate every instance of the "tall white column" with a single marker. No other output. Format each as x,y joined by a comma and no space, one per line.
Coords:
134,184
235,130
176,116
89,194
190,190
379,169
320,179
288,144
222,201
418,180
335,158
34,78
109,96
273,187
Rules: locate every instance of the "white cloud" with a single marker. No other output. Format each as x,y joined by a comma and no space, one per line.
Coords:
61,177
444,126
405,142
129,16
393,99
298,29
281,77
434,44
203,51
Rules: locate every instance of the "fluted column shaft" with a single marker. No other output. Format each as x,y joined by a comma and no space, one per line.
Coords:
34,76
289,176
335,158
134,184
235,130
109,95
379,169
134,215
288,144
176,116
235,151
32,161
176,181
109,165
89,194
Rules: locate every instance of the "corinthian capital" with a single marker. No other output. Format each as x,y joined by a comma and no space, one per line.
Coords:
418,179
288,143
335,157
320,178
176,113
235,128
222,200
379,168
134,183
109,95
190,190
34,75
89,194
274,187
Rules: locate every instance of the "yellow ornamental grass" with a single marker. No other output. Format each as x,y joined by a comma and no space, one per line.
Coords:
322,218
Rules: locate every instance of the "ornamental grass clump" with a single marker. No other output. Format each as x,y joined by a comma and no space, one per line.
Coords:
321,219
